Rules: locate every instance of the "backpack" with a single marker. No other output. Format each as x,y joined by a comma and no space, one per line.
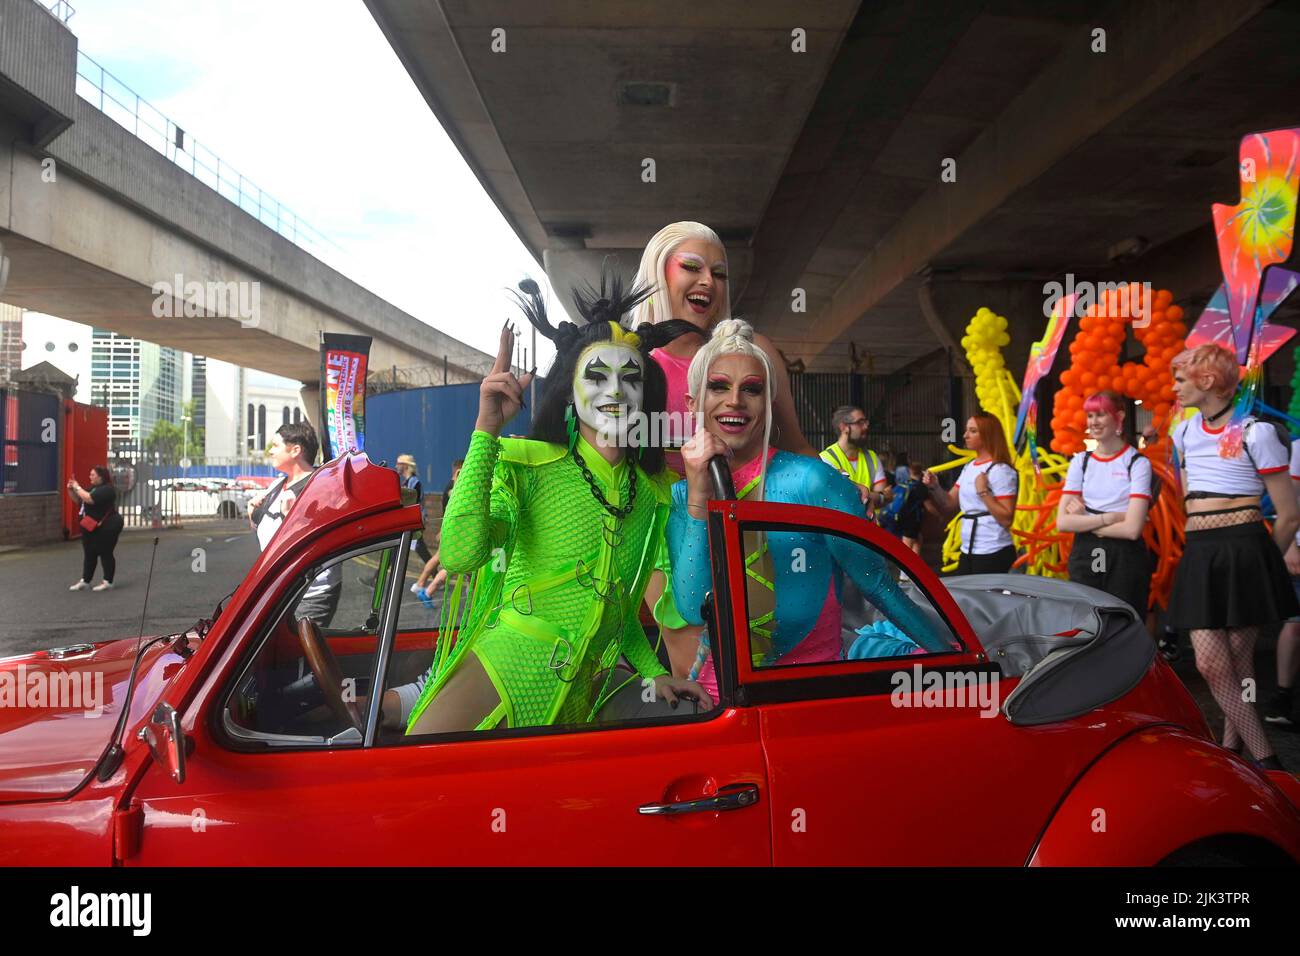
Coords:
1282,429
905,507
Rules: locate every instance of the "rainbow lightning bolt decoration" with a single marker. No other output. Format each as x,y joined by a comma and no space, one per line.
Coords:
1041,356
1253,235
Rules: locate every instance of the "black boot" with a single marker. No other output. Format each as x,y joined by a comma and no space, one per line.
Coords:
1280,706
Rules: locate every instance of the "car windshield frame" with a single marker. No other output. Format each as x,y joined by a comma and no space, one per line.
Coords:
233,738
742,516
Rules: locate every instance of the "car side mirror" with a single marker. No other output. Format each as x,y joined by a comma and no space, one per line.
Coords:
166,742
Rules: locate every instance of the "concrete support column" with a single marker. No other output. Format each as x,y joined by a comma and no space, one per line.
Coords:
310,395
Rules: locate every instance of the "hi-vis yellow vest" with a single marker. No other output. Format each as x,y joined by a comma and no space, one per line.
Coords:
863,471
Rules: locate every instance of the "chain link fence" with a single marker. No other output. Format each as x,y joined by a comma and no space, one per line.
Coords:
909,412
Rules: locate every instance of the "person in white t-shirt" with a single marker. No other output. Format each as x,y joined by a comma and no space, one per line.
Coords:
293,454
1281,706
1104,505
986,493
1231,580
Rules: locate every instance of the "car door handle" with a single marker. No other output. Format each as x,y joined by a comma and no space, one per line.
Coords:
735,797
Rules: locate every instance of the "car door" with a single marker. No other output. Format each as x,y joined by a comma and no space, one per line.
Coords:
260,790
895,760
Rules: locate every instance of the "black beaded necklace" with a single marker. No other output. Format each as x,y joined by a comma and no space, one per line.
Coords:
617,513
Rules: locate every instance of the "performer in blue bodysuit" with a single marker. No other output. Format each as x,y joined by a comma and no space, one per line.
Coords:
794,578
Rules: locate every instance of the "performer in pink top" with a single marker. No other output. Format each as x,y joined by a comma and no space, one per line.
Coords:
686,264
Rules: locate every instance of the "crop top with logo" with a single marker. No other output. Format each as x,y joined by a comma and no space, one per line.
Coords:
1197,444
1108,483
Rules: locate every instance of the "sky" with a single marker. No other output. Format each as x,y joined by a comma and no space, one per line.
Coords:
307,99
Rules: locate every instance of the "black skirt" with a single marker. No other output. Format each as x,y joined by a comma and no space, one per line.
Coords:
1231,577
999,562
1113,565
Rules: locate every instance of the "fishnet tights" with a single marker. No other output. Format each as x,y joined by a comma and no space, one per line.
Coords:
1226,659
1208,520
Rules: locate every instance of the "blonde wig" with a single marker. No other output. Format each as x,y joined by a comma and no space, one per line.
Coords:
654,266
732,337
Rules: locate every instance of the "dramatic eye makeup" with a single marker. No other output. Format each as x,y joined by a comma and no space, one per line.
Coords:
691,262
719,383
598,370
752,385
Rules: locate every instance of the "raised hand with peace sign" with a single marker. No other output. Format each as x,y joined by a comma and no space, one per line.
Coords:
502,393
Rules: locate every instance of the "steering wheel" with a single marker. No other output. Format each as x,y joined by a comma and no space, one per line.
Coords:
329,677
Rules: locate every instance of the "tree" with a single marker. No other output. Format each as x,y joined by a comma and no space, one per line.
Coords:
169,440
166,440
196,434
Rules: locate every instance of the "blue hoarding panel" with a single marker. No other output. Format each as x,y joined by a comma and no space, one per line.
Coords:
433,424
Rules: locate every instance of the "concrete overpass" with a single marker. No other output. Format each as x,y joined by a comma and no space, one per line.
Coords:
822,169
94,221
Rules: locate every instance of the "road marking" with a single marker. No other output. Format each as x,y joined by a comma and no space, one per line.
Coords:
228,540
206,540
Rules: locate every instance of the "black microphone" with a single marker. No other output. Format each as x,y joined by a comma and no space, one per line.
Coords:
724,489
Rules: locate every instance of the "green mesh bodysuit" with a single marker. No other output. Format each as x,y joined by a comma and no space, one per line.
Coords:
558,580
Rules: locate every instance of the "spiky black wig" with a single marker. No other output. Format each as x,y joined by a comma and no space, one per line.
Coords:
598,307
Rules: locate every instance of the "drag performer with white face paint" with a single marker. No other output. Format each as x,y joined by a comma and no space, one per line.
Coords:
560,532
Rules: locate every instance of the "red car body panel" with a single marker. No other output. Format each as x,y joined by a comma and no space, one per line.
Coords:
925,767
537,800
1138,803
843,775
46,752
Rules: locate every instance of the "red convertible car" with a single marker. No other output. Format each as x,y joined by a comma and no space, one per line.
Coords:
1046,733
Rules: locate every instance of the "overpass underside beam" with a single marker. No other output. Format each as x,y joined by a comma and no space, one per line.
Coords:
1077,97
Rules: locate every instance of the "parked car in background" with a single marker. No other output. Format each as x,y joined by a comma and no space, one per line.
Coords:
233,499
197,497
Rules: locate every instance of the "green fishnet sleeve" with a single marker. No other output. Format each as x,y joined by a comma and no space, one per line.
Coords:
482,511
636,648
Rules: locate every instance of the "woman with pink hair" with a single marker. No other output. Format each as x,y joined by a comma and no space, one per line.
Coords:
1231,580
1104,505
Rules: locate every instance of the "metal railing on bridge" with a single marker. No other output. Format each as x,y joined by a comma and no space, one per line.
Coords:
61,10
132,112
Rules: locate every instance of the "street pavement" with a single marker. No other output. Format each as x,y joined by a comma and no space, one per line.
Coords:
197,566
194,568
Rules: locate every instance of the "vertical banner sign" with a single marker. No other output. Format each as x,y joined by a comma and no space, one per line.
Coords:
343,361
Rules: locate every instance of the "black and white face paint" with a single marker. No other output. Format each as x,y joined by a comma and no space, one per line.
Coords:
608,387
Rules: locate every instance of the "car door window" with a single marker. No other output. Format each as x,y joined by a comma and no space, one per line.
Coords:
422,625
419,624
308,681
815,597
